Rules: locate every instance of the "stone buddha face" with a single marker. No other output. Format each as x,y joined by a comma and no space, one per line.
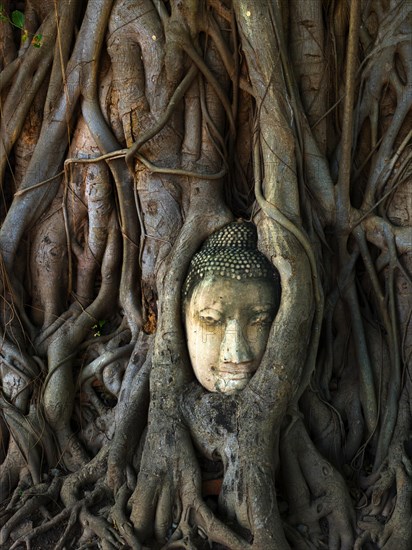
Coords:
227,328
231,296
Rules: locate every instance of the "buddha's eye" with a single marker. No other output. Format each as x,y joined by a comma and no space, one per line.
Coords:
210,320
261,319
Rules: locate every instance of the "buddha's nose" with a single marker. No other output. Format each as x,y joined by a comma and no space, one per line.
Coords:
234,347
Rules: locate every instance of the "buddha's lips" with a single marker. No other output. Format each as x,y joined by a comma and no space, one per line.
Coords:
240,370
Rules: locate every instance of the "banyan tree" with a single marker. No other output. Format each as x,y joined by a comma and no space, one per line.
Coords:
206,262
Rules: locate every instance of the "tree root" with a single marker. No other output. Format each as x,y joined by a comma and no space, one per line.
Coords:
160,483
198,520
315,491
13,472
46,526
119,518
35,500
100,527
93,526
396,533
110,525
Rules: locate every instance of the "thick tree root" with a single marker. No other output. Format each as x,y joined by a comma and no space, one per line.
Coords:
396,533
119,518
315,490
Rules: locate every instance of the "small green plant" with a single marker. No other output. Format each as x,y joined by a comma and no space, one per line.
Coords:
98,328
17,19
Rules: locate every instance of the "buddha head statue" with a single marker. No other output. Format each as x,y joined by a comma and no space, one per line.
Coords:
230,298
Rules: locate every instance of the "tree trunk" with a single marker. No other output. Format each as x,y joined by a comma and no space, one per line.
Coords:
131,131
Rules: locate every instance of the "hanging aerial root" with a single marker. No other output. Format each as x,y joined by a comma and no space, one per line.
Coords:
176,98
276,215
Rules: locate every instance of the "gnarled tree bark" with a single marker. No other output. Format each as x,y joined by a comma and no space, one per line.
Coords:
132,133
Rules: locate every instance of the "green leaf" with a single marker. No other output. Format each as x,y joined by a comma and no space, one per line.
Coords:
17,18
24,36
37,40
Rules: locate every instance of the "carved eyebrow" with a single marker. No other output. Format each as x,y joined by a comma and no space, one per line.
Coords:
264,308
